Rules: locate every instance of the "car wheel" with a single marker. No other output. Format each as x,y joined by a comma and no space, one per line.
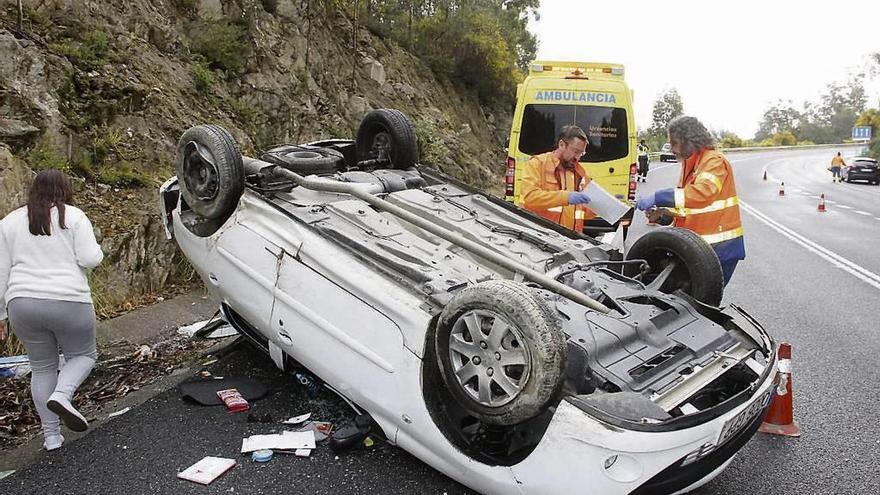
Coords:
386,137
678,259
500,352
305,161
210,170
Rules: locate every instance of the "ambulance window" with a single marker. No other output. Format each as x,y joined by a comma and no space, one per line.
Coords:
605,127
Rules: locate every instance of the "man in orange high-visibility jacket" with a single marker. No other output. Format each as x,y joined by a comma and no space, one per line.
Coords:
836,164
552,182
705,200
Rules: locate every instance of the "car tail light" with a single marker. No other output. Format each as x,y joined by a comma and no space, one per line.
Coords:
510,176
633,170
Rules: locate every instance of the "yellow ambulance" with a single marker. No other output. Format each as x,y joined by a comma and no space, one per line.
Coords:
592,96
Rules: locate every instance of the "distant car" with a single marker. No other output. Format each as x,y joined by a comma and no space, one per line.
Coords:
862,168
666,153
511,354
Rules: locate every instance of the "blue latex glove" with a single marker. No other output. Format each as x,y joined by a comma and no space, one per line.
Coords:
646,201
578,198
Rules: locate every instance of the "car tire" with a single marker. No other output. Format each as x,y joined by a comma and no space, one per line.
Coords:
210,170
387,134
305,161
521,330
698,271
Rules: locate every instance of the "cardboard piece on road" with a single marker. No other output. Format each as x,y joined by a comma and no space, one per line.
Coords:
604,204
206,470
288,440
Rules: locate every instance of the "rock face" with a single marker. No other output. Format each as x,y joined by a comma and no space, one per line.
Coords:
14,178
105,89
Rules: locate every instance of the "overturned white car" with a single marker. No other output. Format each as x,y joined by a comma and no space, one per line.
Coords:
510,354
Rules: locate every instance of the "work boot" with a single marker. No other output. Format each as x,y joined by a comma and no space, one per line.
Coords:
60,405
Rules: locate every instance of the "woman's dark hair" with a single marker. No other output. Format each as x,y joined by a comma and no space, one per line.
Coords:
50,188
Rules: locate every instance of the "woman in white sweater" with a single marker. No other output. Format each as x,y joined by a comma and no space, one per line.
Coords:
46,248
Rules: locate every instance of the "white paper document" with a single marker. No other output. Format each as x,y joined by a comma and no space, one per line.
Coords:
206,470
289,440
604,204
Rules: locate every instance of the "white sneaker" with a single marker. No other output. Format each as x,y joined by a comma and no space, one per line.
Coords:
59,405
52,441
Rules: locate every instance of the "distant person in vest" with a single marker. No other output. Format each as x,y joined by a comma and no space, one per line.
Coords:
553,182
46,247
836,164
705,200
643,161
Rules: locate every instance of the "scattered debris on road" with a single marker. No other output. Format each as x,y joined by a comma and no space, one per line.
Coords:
207,470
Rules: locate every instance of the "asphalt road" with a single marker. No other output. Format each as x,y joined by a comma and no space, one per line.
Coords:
810,278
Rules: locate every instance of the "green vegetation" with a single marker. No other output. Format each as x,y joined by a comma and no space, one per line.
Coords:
44,157
89,47
484,44
203,78
667,107
431,147
828,121
224,44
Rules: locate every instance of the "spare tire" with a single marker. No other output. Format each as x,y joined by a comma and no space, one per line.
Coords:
304,160
500,351
388,136
695,267
209,170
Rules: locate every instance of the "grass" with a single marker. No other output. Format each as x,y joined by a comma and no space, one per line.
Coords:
44,157
11,346
203,78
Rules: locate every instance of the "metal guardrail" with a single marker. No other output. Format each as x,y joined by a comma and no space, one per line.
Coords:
655,155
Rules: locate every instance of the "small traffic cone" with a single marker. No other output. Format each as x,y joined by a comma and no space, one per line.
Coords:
780,416
782,189
821,207
765,174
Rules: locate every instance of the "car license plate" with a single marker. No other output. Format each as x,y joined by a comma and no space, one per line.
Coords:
737,422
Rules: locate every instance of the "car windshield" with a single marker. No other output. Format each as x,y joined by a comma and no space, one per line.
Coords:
606,129
666,147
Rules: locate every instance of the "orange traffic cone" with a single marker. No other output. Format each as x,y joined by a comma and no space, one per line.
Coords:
782,189
765,174
821,207
780,416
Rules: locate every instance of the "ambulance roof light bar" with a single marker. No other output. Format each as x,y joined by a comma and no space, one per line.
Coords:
577,69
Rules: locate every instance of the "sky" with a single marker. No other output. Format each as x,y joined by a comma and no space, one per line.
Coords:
728,60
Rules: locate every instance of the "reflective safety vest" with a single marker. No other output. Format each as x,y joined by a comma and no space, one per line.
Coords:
705,201
545,187
642,150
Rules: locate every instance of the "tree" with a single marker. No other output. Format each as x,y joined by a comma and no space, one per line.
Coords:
728,139
780,117
667,107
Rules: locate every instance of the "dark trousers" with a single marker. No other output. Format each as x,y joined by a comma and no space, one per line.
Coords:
643,167
727,269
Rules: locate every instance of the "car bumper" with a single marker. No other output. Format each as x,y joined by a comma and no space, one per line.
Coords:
863,176
580,450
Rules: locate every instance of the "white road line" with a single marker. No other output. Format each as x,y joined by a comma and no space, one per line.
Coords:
860,212
845,207
831,202
844,264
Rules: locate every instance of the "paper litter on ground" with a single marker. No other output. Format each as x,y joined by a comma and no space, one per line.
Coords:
206,470
288,440
190,330
118,413
297,419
